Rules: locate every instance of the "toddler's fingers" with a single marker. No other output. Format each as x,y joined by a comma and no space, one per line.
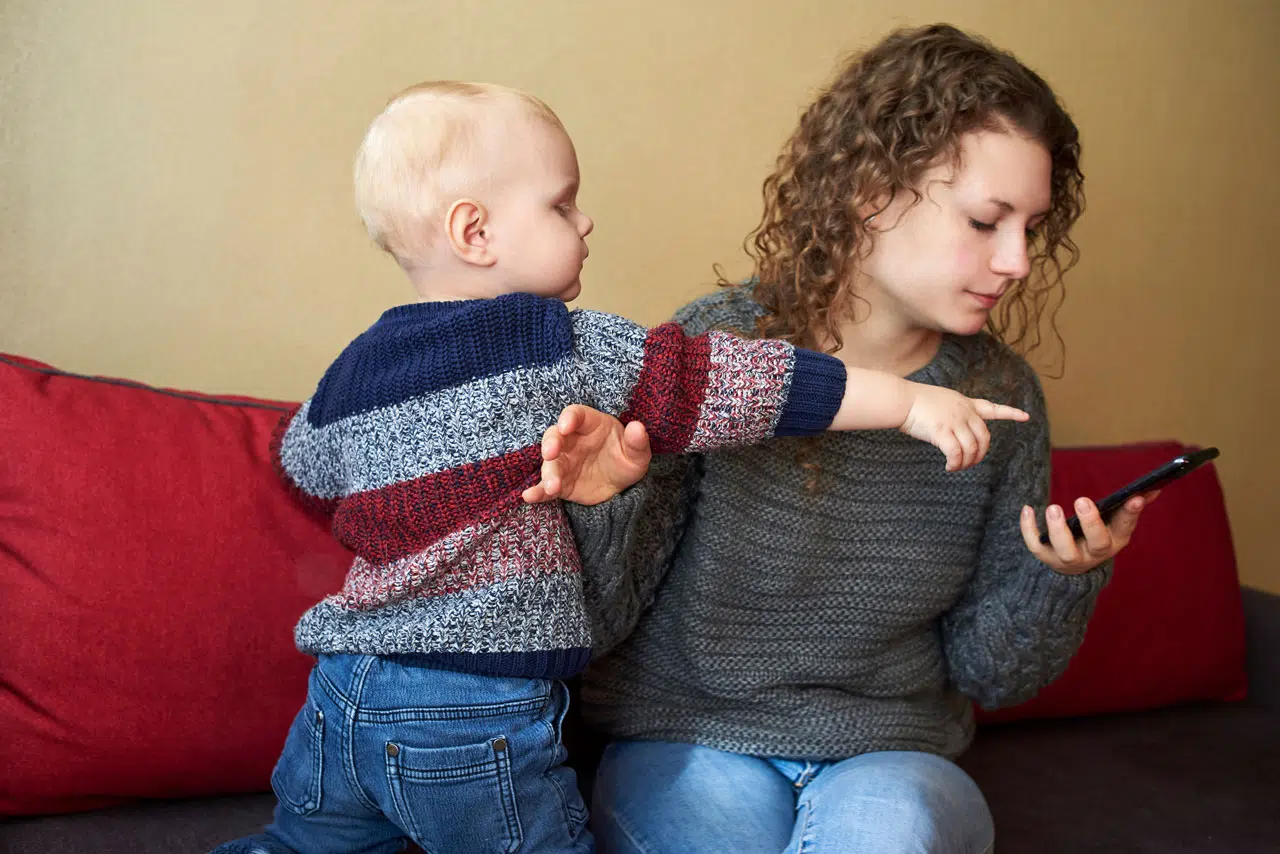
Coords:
552,442
571,418
552,481
979,428
951,448
968,445
636,438
998,411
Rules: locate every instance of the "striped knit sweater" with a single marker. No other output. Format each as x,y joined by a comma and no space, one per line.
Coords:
424,432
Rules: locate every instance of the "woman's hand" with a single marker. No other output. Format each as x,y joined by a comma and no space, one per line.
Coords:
589,457
1101,541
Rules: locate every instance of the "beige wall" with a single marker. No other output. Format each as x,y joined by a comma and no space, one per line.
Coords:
176,209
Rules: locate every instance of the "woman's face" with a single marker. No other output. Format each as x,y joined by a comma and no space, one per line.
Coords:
943,263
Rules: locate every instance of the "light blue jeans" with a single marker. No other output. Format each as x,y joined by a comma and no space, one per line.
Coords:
657,797
383,751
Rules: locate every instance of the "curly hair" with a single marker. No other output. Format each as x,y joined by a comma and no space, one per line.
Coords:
892,113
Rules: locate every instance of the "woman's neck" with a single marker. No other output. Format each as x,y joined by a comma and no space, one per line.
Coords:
885,346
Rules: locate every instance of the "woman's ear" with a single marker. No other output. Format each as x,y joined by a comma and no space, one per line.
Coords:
870,212
467,226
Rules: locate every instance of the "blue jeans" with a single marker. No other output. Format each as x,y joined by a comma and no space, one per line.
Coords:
655,797
384,750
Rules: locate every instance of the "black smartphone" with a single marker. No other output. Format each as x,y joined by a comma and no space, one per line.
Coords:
1170,471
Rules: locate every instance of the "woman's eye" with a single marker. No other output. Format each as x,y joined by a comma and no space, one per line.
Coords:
982,226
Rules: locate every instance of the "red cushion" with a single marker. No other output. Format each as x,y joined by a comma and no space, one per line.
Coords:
1169,627
151,566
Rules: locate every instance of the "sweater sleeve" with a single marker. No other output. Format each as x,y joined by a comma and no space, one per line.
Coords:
705,391
626,545
1018,623
305,461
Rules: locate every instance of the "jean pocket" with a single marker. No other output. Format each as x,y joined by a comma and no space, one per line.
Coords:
456,798
296,778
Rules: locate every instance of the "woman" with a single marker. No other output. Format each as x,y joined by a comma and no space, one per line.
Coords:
814,616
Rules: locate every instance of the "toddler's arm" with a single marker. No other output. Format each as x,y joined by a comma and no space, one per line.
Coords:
708,391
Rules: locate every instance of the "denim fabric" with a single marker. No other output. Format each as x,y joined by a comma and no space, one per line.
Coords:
385,750
654,797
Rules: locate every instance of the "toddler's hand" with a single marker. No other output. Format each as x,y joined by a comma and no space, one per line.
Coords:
589,457
955,424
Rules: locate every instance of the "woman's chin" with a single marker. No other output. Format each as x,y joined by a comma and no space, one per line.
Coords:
970,323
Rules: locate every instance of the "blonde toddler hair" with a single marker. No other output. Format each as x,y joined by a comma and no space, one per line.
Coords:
422,151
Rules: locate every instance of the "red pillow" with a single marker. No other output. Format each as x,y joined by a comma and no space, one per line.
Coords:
1169,627
151,570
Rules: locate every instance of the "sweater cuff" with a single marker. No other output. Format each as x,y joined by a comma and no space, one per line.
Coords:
1058,598
817,389
601,531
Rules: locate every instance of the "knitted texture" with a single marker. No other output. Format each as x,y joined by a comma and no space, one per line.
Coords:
424,432
827,624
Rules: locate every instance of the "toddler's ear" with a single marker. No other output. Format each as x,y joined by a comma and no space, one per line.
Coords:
466,225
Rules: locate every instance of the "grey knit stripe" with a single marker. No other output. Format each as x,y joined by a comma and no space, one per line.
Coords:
609,354
485,418
308,459
518,615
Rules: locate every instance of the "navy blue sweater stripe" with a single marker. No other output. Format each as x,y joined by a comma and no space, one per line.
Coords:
817,387
399,357
541,664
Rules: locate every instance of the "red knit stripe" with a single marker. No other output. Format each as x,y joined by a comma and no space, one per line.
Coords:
398,520
673,380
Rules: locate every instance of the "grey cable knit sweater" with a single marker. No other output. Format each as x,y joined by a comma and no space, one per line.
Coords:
825,625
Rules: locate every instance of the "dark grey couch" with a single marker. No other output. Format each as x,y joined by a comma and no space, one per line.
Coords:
1199,779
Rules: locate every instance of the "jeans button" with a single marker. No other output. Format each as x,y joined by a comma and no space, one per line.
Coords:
499,744
393,750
